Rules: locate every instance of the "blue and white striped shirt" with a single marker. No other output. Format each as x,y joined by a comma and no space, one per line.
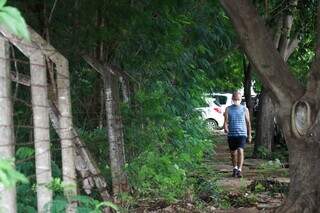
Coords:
237,120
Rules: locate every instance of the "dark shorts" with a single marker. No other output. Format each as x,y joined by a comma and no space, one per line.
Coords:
236,142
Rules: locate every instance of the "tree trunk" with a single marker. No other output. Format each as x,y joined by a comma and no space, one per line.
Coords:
102,104
66,136
39,93
110,75
265,124
119,128
247,86
7,141
116,154
304,185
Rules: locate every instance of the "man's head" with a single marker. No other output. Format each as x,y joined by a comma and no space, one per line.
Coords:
236,98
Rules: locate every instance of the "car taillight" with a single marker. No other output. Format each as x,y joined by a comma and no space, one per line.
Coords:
218,110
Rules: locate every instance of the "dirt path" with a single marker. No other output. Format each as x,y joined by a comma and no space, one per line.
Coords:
257,174
260,190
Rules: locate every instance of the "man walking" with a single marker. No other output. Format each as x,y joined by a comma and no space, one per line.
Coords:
237,125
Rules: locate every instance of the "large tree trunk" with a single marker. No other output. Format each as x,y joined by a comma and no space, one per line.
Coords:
7,142
297,107
304,185
265,124
41,129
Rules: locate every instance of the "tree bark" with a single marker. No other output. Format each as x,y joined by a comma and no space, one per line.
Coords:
265,125
304,185
247,86
7,141
102,105
39,92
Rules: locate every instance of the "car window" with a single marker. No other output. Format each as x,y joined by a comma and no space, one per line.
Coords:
209,101
216,102
222,100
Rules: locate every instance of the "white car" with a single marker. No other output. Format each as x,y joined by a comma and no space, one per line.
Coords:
212,113
224,99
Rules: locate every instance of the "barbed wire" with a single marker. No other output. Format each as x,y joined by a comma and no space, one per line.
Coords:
32,143
77,179
43,141
31,63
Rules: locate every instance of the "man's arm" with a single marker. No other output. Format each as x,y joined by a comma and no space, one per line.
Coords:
225,125
248,123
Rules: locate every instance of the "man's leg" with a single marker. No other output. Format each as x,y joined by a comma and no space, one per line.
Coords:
234,162
240,158
234,157
233,153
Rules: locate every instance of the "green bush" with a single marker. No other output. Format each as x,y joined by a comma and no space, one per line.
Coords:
85,204
166,146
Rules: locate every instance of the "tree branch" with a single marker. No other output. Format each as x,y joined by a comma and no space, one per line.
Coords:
277,34
103,68
285,37
259,47
293,44
51,13
286,30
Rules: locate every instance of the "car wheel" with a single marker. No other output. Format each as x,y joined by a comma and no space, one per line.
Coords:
212,124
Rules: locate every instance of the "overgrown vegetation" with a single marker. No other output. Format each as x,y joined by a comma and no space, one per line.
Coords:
174,52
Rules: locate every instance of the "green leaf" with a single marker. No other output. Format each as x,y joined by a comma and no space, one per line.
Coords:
4,179
8,175
58,205
24,152
11,18
2,3
85,200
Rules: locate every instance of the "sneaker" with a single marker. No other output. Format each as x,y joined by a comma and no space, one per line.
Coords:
234,172
238,174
